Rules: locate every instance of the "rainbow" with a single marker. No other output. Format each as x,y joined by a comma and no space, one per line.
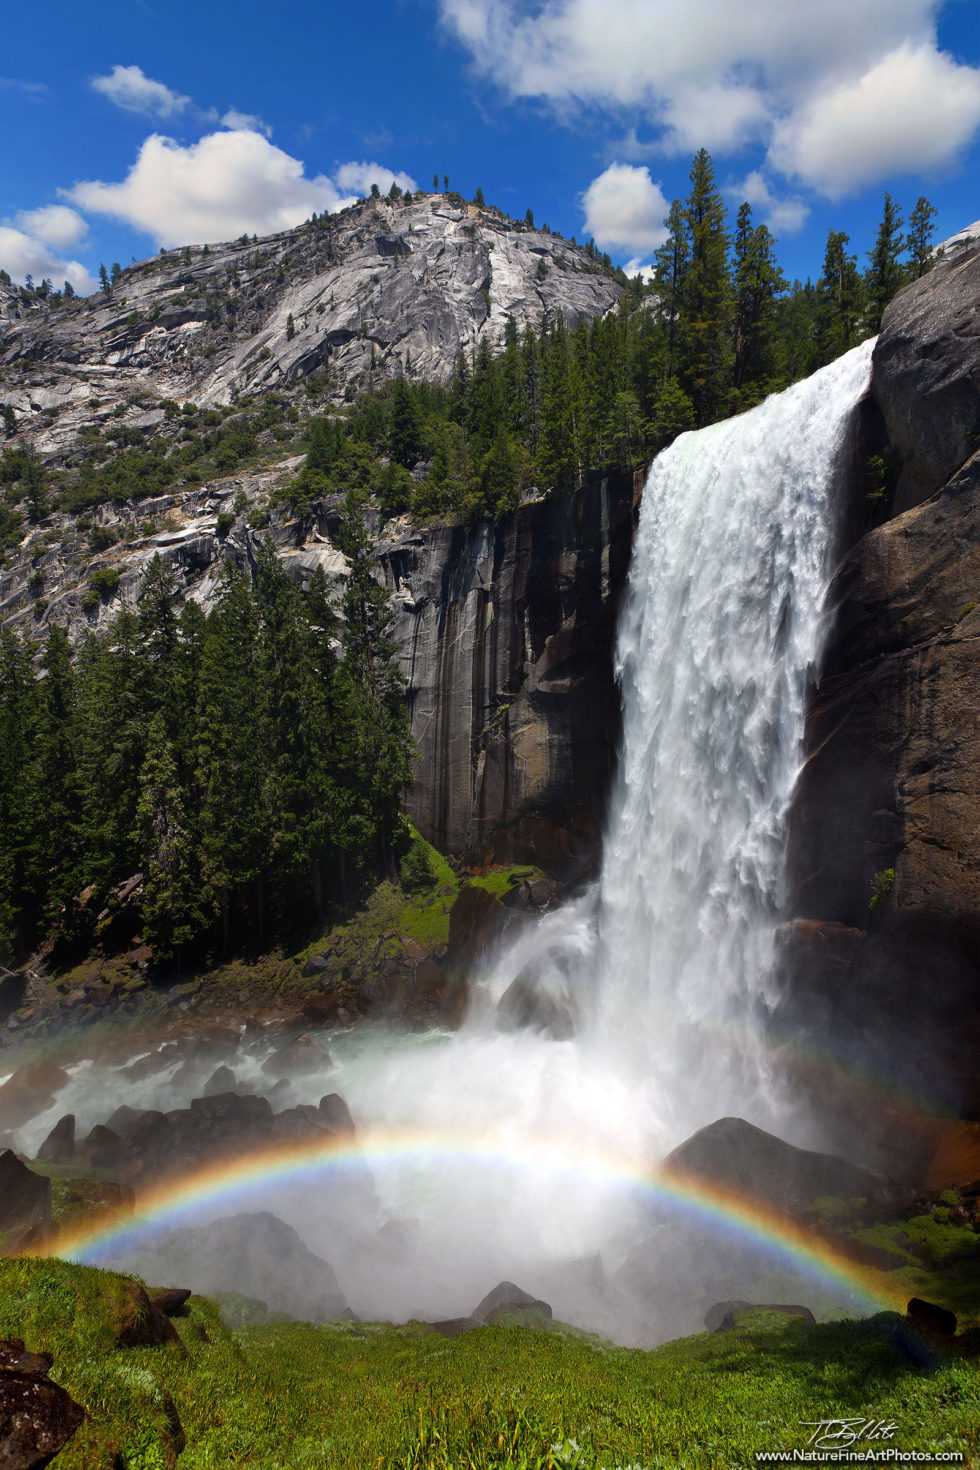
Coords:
747,1222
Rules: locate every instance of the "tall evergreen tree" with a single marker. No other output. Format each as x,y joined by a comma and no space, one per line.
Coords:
705,296
840,299
757,282
885,274
918,240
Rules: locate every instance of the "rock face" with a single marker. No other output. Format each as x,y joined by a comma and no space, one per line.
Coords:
402,287
749,1162
252,1254
889,798
25,1197
505,634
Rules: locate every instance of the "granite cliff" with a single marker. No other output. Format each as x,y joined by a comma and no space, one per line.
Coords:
883,953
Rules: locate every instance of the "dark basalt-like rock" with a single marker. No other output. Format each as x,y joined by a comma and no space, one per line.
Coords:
302,1054
137,1322
456,1326
504,1298
889,795
756,1165
31,1090
59,1146
37,1417
25,1197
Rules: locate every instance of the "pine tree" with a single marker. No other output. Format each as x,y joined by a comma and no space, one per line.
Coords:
884,276
673,261
705,296
920,233
757,281
172,910
840,299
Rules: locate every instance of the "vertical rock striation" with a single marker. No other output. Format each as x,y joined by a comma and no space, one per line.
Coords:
505,635
889,798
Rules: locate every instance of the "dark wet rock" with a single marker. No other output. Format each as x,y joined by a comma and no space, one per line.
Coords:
927,1317
13,988
37,1417
102,1149
256,1255
756,1165
303,1054
506,1297
136,1322
25,1197
122,1120
456,1326
31,1090
170,1300
222,1079
315,965
59,1146
529,1004
156,1061
335,1114
301,1123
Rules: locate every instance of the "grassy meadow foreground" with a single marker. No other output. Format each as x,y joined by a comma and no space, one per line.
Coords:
279,1395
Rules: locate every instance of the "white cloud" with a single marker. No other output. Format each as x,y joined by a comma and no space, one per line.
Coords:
824,82
227,184
625,209
23,254
55,224
912,111
647,273
249,121
129,88
357,178
783,215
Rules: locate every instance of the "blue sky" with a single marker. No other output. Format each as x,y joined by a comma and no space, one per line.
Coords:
144,123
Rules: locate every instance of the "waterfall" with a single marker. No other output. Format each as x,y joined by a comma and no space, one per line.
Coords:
718,641
526,1147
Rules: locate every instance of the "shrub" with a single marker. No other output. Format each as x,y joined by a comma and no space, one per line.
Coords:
103,582
224,523
416,870
881,886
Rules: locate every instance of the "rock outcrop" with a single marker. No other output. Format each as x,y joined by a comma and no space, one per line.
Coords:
391,288
886,828
505,634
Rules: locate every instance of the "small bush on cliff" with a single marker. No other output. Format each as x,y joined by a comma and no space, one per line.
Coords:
417,870
881,887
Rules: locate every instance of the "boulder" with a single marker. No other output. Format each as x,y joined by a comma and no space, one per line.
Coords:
303,1054
59,1146
37,1417
927,1317
745,1314
221,1080
255,1255
758,1166
103,1148
504,1298
13,988
170,1300
716,1314
529,1004
136,1322
476,922
335,1114
25,1197
456,1326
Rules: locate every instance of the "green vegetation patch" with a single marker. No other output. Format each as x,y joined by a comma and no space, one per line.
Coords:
354,1395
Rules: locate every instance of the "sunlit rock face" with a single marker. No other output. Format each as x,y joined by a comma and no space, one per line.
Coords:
391,287
890,793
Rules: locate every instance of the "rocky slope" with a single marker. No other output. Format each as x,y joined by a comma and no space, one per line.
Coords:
390,287
889,800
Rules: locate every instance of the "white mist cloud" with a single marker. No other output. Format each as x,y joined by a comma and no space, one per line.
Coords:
226,184
54,224
625,210
782,215
914,110
132,90
23,254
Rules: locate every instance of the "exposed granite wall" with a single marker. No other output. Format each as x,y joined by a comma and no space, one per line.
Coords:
892,774
506,634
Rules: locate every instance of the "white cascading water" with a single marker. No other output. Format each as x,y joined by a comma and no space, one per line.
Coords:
666,964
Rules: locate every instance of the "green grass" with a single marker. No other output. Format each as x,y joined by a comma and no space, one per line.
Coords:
349,1396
